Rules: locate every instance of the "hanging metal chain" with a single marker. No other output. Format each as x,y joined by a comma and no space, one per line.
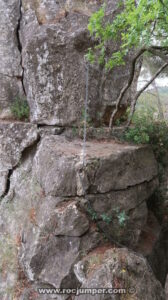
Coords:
85,113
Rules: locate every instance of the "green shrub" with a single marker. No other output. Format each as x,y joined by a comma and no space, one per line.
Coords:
121,216
20,108
147,129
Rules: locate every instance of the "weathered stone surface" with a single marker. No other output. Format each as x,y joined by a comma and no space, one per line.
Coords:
149,235
122,215
158,258
8,266
50,130
53,227
158,203
110,166
51,11
47,78
10,58
3,181
31,218
67,220
118,268
14,138
19,204
50,258
18,216
55,39
10,62
153,244
56,215
57,255
54,250
42,46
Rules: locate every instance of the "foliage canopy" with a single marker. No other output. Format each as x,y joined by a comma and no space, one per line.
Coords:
138,24
141,25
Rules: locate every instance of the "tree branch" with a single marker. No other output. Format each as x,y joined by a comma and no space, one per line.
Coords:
142,90
155,50
126,87
151,80
152,94
163,4
160,108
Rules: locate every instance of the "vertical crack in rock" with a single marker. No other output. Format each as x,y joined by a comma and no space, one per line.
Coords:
31,147
7,185
20,44
8,182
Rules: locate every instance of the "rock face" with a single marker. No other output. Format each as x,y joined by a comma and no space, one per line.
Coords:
65,221
14,138
107,179
158,253
118,269
44,59
10,63
160,266
70,209
109,167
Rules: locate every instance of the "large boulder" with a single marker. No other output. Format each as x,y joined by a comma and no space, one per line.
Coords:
125,274
42,46
116,179
56,211
110,166
154,238
55,39
47,233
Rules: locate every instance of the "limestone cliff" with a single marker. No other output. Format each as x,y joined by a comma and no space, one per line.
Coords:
42,56
62,224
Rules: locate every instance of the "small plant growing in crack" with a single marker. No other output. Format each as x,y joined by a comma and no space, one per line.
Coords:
20,108
92,213
106,218
121,216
